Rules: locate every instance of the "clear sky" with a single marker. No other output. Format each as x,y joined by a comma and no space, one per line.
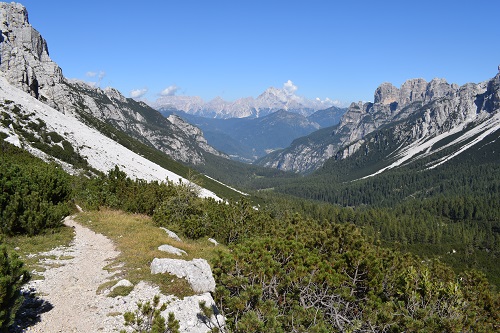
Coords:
337,49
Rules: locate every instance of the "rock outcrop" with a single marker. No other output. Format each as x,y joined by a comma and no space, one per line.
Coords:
197,272
25,62
24,56
171,249
437,105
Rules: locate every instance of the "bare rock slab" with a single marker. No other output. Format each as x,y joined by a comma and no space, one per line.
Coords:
171,249
171,234
187,311
197,272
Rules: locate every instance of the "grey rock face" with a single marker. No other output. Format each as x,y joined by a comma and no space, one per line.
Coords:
197,272
193,132
25,62
386,93
24,56
490,101
412,90
447,105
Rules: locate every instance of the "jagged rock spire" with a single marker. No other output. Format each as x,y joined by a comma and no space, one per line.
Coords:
24,56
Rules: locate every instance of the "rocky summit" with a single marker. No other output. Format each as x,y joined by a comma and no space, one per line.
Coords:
25,57
26,64
417,111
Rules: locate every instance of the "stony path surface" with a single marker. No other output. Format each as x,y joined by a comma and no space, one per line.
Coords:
70,285
67,296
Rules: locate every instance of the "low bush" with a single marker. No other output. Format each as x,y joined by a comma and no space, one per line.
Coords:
12,277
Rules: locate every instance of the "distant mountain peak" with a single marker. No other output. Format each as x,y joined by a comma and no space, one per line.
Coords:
269,101
420,116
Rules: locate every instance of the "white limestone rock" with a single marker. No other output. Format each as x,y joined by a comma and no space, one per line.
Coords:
197,272
171,234
122,283
171,249
187,312
213,241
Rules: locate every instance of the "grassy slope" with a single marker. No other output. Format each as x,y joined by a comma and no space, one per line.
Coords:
137,238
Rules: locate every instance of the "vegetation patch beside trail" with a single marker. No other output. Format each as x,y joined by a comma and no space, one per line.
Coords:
29,247
137,239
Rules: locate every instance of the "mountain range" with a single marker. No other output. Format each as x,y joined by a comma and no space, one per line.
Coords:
417,120
247,139
271,100
420,120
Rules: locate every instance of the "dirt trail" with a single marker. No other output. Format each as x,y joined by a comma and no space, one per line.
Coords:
68,300
70,286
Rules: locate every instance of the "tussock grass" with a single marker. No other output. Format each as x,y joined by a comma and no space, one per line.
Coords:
137,239
121,291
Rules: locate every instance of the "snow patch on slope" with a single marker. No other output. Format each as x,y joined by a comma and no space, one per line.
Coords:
424,145
101,152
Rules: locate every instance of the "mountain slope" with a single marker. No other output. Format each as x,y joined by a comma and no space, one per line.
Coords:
40,129
327,117
247,139
420,115
25,62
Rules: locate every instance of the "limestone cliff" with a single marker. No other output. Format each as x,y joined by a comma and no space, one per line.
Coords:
25,62
416,110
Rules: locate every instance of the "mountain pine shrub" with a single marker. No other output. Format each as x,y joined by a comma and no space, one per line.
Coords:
35,195
12,277
148,319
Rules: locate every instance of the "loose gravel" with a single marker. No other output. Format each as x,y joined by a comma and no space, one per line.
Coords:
67,299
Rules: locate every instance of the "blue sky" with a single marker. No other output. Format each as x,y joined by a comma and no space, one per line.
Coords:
337,49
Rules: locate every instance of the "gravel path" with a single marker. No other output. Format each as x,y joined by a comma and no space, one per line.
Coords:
67,299
69,288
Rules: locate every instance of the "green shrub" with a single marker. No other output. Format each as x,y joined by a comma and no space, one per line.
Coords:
148,319
34,197
12,277
332,279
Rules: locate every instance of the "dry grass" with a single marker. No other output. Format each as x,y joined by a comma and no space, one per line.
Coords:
137,239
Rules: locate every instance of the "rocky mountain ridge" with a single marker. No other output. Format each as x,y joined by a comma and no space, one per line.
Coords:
25,62
417,112
246,139
271,100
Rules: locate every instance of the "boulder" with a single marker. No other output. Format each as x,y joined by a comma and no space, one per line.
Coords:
171,249
213,241
197,272
171,234
122,283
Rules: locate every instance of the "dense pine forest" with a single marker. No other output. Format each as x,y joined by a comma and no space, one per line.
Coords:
294,265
